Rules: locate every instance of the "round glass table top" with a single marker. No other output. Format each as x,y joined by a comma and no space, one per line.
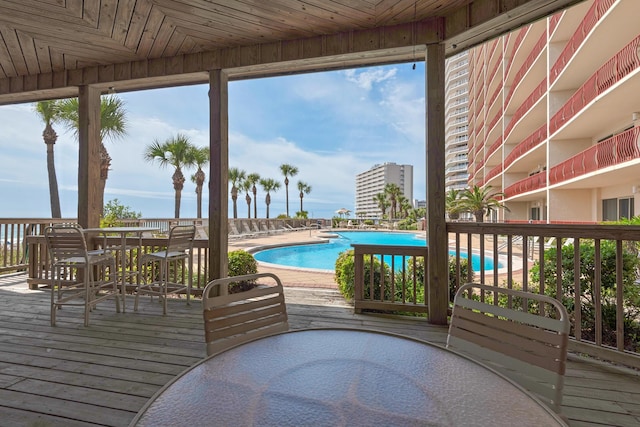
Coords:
335,377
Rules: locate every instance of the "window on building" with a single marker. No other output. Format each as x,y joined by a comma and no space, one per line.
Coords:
616,209
535,214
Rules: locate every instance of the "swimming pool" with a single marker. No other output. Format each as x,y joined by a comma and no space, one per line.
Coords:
322,256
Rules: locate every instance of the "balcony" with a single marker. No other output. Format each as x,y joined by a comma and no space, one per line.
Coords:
616,150
613,71
532,183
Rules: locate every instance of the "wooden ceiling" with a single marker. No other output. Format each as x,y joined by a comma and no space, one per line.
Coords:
49,47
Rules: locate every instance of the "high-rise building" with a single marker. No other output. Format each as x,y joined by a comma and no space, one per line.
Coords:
456,112
373,181
555,115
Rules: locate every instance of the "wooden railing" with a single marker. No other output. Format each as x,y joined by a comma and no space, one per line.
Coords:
38,271
386,278
604,317
23,248
13,232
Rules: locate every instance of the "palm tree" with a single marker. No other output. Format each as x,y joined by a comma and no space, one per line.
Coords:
269,185
381,200
236,176
404,205
246,186
48,112
254,178
304,188
452,203
201,158
288,171
393,192
112,125
480,201
177,152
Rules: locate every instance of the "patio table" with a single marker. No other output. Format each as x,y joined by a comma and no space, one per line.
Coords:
342,377
125,269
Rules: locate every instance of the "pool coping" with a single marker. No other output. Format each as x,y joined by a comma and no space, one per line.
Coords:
326,236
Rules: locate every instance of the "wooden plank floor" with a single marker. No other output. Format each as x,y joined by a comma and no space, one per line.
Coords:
102,375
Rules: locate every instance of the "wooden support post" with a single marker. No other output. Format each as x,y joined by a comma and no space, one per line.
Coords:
218,174
89,202
438,254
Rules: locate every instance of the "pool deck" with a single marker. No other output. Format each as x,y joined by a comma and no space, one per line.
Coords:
299,277
290,276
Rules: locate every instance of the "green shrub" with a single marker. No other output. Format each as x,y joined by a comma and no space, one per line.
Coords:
241,263
345,275
407,224
631,290
114,212
419,273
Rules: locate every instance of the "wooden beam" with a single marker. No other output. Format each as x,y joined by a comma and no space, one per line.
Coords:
218,174
342,50
89,203
438,255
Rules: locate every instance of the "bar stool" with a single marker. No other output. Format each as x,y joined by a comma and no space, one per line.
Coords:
77,273
157,280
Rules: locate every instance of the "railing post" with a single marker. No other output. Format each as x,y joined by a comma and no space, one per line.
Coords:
358,286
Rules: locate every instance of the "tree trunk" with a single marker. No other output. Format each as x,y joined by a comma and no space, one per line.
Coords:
286,190
479,215
267,200
255,205
178,185
301,196
234,197
248,198
105,165
50,137
200,177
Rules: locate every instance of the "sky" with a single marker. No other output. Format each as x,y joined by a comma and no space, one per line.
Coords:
331,126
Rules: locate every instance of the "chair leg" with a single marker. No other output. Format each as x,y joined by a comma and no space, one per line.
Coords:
88,294
113,277
54,286
164,273
189,279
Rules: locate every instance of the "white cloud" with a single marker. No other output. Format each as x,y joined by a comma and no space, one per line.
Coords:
332,126
366,79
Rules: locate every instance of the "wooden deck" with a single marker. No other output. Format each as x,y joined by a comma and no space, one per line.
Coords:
102,375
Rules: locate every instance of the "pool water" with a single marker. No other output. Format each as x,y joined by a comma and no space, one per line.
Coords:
322,256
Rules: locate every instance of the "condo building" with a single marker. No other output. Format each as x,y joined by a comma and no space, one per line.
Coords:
554,115
456,112
373,181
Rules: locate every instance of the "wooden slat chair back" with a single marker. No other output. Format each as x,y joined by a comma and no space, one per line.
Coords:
179,247
232,319
74,279
529,348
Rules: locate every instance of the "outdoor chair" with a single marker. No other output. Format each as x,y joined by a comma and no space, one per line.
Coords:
158,268
232,318
526,346
78,276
